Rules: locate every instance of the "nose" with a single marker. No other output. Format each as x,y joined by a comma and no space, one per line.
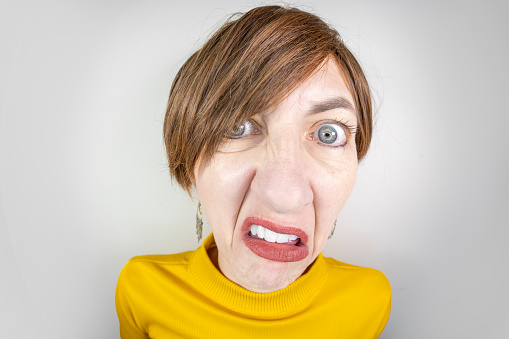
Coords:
282,179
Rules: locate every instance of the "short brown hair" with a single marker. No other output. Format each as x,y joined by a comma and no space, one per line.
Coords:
248,66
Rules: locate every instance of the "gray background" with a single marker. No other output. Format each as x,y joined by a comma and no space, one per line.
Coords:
84,183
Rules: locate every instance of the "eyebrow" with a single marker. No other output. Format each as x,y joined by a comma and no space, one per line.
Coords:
333,103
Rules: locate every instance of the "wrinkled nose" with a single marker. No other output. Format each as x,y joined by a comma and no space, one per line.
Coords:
282,180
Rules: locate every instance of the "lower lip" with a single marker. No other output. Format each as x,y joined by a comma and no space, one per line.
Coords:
275,251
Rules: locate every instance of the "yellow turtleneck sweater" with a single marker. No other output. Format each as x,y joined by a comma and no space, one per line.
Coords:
184,296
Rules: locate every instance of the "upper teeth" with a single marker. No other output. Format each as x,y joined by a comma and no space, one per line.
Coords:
271,236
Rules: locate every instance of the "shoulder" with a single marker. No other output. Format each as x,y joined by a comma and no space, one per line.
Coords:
144,266
148,273
161,259
368,282
358,273
359,295
147,278
144,278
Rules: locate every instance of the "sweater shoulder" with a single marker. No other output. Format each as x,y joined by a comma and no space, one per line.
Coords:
145,285
364,292
145,267
362,277
182,258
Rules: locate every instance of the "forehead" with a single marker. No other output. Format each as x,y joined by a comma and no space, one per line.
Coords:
324,90
326,82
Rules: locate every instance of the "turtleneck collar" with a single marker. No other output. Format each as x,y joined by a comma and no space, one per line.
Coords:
288,300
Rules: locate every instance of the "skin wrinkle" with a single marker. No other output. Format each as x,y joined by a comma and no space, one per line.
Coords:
286,157
282,176
243,199
284,162
216,83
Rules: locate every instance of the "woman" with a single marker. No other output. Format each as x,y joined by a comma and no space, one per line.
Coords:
267,122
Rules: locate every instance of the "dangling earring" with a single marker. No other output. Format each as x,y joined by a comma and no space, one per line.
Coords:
199,222
333,229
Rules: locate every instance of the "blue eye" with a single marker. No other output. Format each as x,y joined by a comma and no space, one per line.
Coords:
242,130
330,134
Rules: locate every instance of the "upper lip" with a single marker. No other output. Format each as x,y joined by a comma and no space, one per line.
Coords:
275,227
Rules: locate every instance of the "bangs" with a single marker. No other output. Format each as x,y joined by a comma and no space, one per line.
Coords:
248,66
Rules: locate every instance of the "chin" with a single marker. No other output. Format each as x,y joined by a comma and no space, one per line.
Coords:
267,275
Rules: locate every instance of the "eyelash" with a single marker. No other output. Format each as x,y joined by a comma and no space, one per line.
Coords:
252,127
348,129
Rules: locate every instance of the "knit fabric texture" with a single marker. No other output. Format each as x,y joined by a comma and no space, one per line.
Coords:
185,296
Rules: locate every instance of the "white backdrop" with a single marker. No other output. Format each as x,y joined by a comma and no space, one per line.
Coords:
84,183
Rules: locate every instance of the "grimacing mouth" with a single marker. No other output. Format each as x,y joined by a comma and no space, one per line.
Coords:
263,229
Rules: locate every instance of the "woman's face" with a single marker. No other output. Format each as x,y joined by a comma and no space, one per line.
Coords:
289,171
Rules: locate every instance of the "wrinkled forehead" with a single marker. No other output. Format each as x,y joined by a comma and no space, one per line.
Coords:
324,90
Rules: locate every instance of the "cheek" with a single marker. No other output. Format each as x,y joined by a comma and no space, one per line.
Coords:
331,194
332,191
221,186
338,172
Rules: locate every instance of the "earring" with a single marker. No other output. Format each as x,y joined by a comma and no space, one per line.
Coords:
199,222
333,229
